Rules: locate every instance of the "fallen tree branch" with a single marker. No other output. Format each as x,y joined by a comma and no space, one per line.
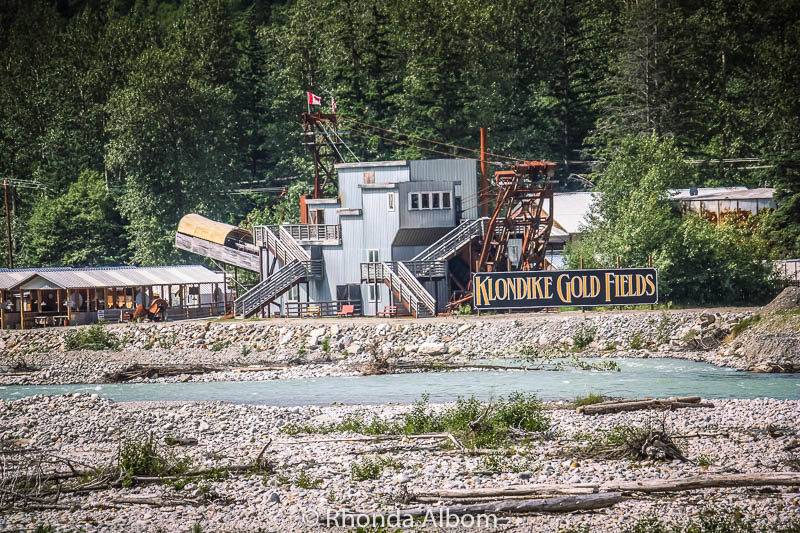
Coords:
150,371
566,504
635,405
708,481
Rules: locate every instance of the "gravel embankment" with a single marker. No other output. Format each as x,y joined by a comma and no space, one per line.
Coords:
342,347
736,436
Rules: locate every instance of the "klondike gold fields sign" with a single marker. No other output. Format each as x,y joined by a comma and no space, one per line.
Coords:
560,288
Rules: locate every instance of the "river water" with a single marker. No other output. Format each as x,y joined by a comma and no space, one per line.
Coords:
656,378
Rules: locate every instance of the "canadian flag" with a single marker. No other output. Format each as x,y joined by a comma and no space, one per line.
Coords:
313,99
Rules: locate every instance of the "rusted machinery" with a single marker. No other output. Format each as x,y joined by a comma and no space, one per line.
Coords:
523,213
157,312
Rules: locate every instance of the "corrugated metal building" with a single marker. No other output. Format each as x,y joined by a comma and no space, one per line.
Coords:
386,211
46,296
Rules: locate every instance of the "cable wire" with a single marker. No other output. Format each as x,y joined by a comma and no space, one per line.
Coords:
457,147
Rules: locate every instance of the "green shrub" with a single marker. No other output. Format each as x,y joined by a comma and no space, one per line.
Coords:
664,328
366,469
142,457
637,341
583,337
473,423
463,310
218,346
326,345
93,337
305,481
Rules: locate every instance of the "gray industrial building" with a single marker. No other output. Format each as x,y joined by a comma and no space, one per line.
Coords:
366,247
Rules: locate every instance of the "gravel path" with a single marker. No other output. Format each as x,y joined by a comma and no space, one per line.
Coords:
748,436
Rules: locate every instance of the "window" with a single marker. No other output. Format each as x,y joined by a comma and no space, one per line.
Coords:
373,294
294,293
390,201
369,177
429,200
426,200
317,216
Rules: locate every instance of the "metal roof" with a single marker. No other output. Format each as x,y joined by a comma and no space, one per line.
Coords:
734,193
685,194
570,210
366,164
419,236
217,232
81,278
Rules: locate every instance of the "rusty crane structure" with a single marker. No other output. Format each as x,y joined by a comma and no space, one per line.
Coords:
523,212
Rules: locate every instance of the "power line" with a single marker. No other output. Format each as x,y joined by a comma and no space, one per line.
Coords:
457,147
397,141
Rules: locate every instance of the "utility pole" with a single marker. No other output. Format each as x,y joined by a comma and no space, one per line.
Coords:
8,226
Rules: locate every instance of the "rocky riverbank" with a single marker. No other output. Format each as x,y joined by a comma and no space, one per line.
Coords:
304,476
293,348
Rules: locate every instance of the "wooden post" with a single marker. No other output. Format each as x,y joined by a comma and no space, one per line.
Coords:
69,309
583,309
650,264
2,308
88,301
8,228
21,308
39,301
225,287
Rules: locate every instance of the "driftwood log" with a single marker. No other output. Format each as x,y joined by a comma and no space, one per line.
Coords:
708,481
635,405
565,504
149,371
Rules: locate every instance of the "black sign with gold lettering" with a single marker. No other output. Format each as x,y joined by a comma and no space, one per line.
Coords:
561,288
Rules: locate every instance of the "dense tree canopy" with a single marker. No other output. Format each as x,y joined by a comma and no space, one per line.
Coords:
175,103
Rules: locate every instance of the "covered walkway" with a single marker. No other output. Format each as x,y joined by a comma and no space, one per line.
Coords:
72,296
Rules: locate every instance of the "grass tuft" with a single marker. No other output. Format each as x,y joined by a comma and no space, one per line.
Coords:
589,399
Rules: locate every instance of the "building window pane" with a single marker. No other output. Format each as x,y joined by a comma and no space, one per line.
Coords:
446,200
435,200
294,293
390,199
373,292
372,256
414,200
426,201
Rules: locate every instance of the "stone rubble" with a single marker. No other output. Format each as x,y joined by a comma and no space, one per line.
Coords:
737,436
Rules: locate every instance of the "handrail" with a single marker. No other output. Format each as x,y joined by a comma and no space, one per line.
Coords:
420,291
453,240
269,288
266,237
401,280
293,246
314,232
427,269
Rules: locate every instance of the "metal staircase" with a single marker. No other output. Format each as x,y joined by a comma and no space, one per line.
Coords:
297,266
453,241
402,283
270,288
